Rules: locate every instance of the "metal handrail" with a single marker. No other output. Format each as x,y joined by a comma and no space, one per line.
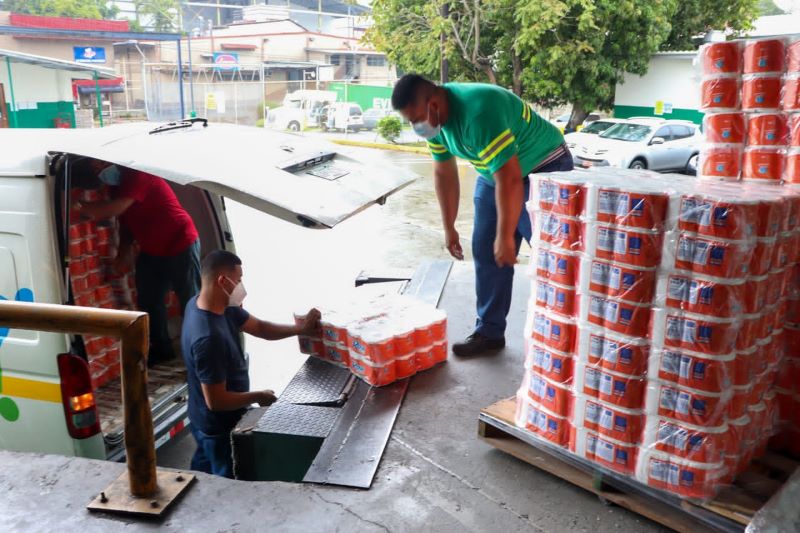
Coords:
132,328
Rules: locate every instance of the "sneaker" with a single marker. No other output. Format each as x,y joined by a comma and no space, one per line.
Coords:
477,344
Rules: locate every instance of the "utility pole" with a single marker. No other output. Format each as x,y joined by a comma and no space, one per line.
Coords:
444,75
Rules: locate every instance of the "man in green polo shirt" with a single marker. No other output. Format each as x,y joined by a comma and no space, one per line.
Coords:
505,141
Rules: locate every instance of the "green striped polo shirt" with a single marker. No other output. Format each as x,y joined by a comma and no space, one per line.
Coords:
487,125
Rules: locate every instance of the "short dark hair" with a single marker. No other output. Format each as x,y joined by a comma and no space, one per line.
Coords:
216,261
407,88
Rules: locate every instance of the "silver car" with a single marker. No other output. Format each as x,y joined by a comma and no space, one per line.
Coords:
651,143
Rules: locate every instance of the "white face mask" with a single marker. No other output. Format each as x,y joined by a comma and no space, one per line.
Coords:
110,175
425,129
236,297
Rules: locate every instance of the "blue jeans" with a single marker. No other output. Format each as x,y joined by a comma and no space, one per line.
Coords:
213,454
493,285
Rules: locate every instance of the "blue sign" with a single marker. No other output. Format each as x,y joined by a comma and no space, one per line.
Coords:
226,61
89,54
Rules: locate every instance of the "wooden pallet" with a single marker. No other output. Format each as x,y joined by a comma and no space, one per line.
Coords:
731,510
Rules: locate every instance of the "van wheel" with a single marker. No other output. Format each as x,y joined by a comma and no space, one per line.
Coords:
638,164
294,126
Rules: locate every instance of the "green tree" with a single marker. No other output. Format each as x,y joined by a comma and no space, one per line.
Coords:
695,17
552,52
163,14
92,9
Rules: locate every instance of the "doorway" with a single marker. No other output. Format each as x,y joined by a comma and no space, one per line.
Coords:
3,108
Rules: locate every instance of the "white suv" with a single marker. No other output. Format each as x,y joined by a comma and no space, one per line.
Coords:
651,143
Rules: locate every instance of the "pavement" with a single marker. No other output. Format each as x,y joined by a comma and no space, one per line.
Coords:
436,475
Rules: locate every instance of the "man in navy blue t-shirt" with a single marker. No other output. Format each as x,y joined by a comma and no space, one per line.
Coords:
217,367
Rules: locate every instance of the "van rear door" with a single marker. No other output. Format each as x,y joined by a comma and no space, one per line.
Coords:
298,179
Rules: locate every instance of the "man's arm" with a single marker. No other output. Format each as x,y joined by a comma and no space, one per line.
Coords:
509,195
272,332
448,192
218,398
107,209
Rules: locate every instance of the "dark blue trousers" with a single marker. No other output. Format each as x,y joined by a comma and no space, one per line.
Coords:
493,285
213,454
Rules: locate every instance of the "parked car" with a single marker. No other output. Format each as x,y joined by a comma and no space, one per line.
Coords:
374,114
645,143
344,116
561,121
590,133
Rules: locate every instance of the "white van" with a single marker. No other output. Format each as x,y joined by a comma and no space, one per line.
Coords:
344,116
300,110
42,374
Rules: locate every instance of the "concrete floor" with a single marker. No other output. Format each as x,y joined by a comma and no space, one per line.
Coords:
436,475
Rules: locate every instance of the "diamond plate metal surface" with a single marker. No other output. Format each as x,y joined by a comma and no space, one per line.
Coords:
302,420
317,382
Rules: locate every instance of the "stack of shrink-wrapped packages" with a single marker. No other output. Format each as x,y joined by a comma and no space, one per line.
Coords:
660,310
750,92
380,339
95,282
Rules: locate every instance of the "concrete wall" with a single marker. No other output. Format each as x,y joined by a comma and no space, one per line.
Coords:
671,79
41,94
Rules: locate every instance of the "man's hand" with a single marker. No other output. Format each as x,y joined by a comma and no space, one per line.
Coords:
505,251
266,398
311,327
453,244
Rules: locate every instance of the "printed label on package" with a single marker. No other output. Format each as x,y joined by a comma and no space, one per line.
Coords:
678,288
600,273
596,346
668,399
605,451
613,203
670,362
551,225
548,192
607,419
593,413
592,380
664,472
606,384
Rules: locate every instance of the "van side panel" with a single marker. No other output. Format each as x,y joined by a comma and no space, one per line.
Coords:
31,412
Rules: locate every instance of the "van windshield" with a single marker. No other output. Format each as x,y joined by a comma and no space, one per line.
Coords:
627,132
294,104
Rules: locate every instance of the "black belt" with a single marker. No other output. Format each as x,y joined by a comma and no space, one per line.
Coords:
552,156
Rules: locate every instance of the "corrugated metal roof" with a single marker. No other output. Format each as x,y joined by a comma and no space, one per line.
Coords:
56,64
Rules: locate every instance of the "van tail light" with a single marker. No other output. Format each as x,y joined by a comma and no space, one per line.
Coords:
77,395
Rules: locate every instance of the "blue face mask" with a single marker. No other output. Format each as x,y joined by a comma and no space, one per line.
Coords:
110,175
425,129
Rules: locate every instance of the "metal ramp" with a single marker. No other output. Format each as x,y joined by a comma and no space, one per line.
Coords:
328,426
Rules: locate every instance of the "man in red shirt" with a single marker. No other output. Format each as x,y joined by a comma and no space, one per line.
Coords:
151,216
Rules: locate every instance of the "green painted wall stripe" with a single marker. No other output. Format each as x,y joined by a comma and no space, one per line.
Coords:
362,95
44,114
627,111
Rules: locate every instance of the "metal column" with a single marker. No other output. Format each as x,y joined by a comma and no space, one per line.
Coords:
193,112
11,89
180,80
99,101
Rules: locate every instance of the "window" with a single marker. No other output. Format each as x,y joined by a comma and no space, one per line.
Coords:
335,59
376,61
664,133
681,132
627,132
